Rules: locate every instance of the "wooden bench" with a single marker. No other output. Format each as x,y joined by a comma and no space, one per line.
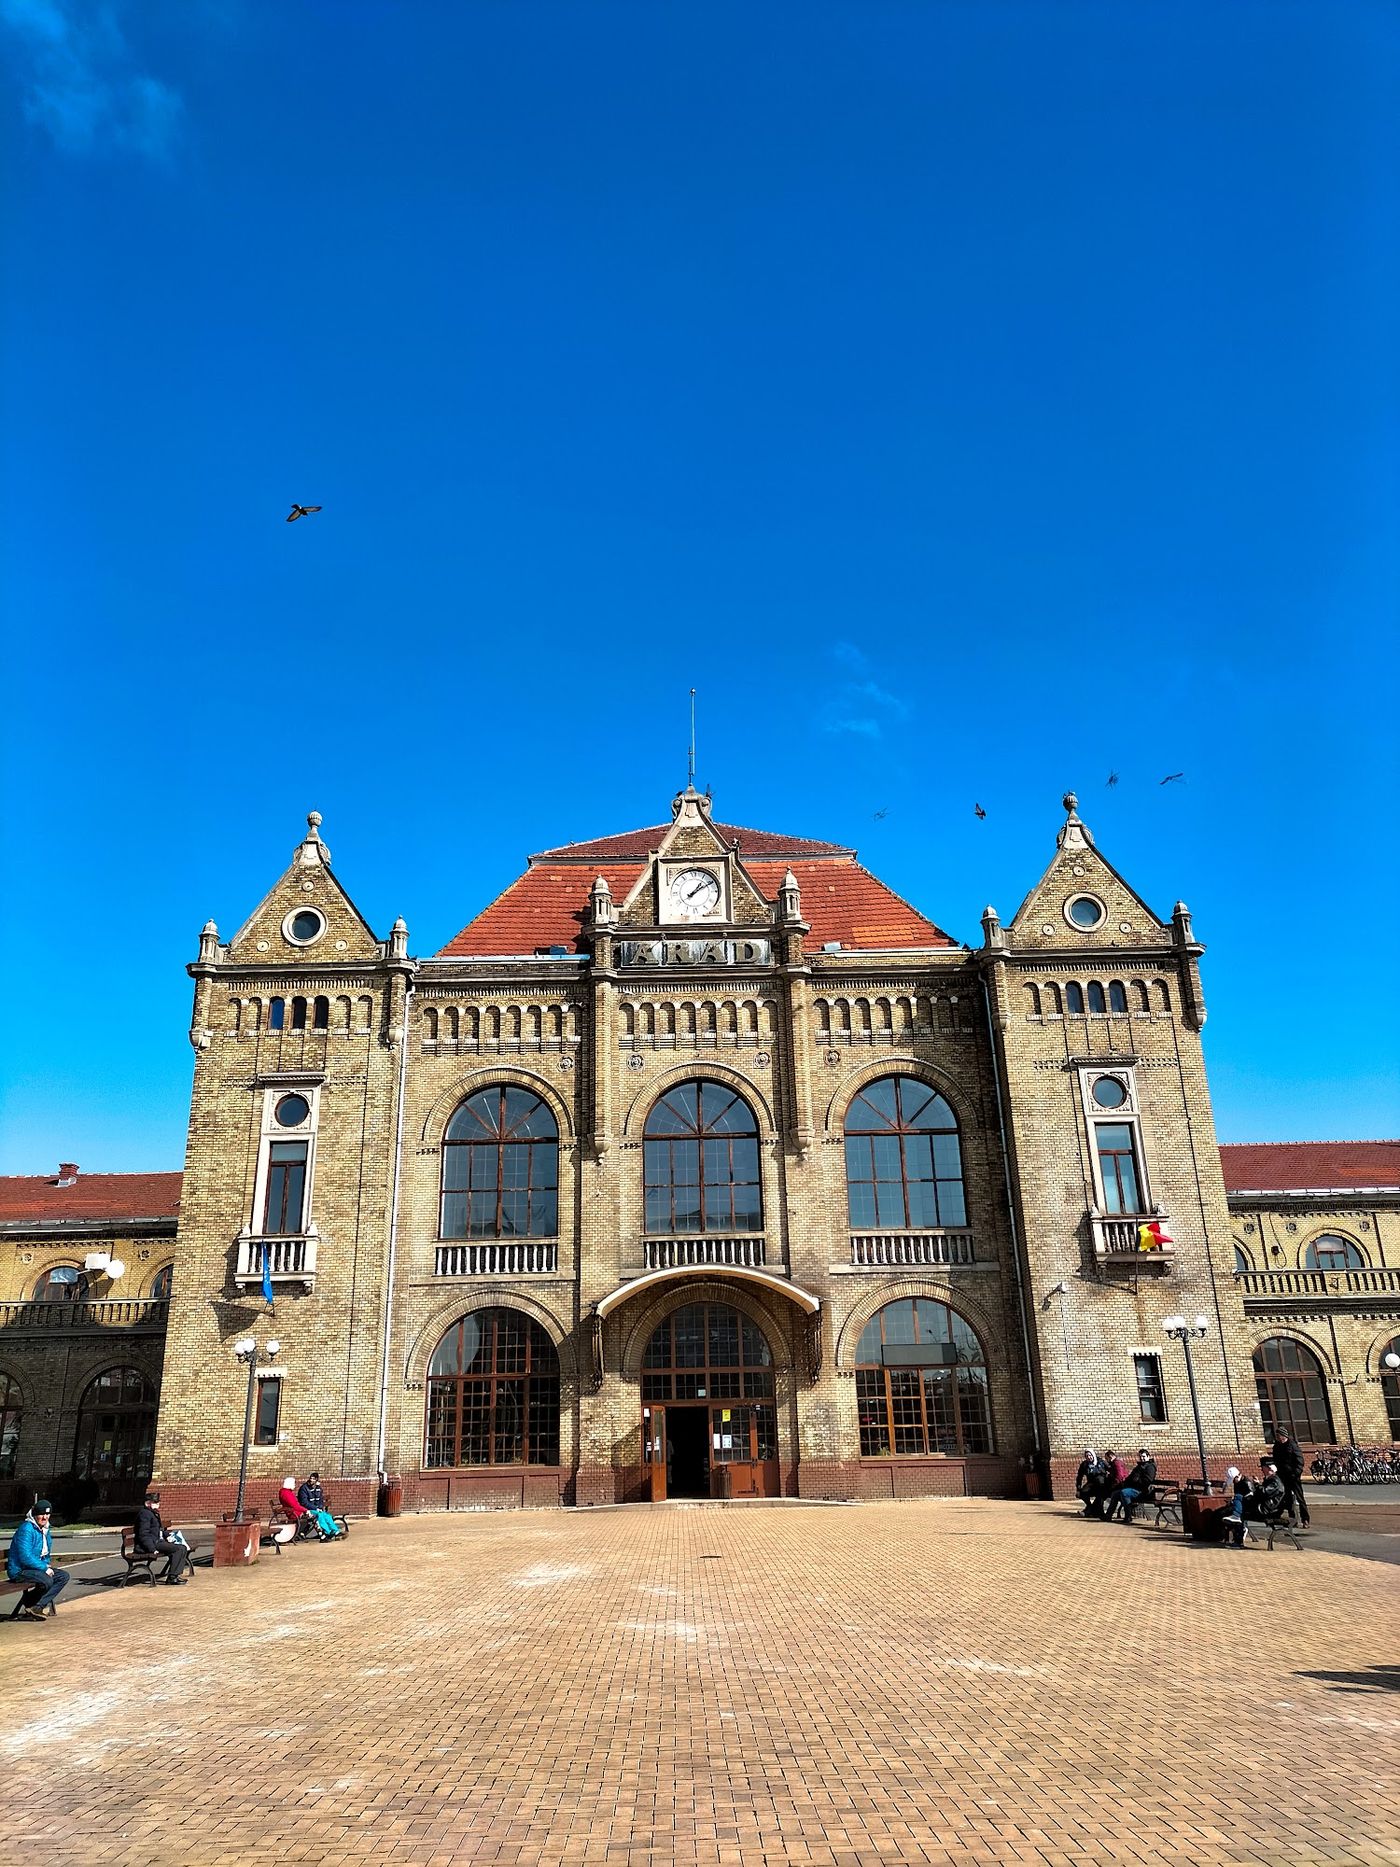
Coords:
1272,1527
1165,1500
140,1561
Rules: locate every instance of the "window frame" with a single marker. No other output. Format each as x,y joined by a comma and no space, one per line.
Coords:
540,1388
704,1139
496,1143
11,1422
1149,1361
268,1386
894,1416
902,1130
1335,1241
1275,1385
81,1285
272,1134
1127,1115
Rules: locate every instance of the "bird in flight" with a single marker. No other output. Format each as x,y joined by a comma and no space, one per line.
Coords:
1171,777
979,810
1111,779
301,512
881,814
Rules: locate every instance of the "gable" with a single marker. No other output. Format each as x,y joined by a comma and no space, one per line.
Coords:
1081,883
269,938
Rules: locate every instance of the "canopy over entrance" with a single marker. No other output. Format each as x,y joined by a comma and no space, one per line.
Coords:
653,1280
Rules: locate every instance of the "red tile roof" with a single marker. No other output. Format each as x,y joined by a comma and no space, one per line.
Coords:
641,843
1301,1166
841,900
95,1197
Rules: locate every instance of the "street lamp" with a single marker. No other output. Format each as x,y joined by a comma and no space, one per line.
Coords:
246,1349
1183,1331
1392,1361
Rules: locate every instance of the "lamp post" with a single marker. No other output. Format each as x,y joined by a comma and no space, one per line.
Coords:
1184,1331
246,1349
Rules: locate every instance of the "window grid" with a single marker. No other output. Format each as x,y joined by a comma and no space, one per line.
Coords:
1152,1396
11,1416
1118,1169
500,1168
918,1412
284,1201
493,1393
903,1157
1390,1387
700,1163
1292,1391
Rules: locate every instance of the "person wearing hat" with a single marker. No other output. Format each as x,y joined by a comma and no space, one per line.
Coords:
1272,1495
149,1535
27,1561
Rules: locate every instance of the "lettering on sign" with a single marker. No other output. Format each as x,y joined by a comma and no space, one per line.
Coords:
693,952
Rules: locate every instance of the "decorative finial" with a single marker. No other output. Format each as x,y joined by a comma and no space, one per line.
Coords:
313,823
311,852
1073,833
1070,802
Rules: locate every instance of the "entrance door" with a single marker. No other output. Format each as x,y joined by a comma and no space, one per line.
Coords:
654,1449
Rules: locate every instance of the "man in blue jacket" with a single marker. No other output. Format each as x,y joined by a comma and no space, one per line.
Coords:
28,1562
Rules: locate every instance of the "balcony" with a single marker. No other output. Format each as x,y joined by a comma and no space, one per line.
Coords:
669,1254
517,1257
1309,1289
1119,1241
872,1251
290,1260
57,1318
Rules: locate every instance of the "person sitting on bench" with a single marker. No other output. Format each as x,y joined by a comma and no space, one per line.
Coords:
1089,1482
27,1561
149,1535
1138,1483
312,1498
1253,1503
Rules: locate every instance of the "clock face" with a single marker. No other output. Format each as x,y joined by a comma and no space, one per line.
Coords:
693,894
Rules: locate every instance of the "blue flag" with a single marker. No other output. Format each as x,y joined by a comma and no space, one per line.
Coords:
267,1275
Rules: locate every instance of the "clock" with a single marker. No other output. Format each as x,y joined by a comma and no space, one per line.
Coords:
693,894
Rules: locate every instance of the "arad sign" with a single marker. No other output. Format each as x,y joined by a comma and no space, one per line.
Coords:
693,952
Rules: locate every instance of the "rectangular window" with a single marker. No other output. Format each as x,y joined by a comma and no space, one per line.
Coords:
286,1188
1117,1167
267,1412
1152,1398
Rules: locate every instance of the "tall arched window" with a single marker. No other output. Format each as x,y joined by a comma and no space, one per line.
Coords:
1292,1391
500,1167
1330,1253
1390,1387
921,1383
276,1013
700,1150
1097,1001
1074,996
11,1413
493,1393
116,1434
903,1157
1242,1264
161,1282
1117,995
62,1283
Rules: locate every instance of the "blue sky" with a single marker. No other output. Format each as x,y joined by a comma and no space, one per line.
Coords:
969,400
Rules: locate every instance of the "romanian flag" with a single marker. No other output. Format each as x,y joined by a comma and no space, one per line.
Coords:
1154,1236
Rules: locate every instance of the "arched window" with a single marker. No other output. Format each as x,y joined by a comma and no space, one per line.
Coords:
700,1150
276,1013
116,1433
493,1393
1140,994
1242,1263
298,1014
321,1014
903,1157
1052,998
1390,1387
707,1351
62,1283
161,1282
921,1383
500,1167
1330,1253
1033,993
1074,996
11,1414
1292,1391
1097,1001
1164,997
1117,995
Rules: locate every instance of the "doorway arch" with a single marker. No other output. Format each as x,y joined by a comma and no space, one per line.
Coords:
709,1412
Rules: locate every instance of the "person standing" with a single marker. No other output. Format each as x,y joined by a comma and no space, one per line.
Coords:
1287,1455
149,1535
28,1562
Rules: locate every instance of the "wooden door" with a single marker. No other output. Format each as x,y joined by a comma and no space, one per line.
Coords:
736,1445
654,1436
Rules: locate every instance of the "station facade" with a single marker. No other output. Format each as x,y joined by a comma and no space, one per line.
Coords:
701,1164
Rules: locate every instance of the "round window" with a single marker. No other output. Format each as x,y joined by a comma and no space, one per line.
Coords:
1084,911
306,925
292,1111
1109,1093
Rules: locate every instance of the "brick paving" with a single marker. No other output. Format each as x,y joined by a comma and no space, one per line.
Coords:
831,1687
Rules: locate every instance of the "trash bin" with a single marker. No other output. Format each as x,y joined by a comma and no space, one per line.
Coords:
391,1497
236,1541
1202,1516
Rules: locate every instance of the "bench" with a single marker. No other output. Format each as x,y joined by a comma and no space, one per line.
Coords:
279,1518
1165,1500
1273,1526
143,1561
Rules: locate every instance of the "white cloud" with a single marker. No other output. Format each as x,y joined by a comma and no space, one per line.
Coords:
861,709
80,82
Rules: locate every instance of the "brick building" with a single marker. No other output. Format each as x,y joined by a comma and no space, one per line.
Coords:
700,1163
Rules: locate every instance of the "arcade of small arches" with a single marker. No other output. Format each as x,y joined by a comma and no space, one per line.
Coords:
248,1017
1327,1251
1096,998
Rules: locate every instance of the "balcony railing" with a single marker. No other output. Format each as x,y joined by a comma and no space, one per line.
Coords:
516,1258
666,1254
1306,1286
290,1260
115,1313
876,1250
1119,1240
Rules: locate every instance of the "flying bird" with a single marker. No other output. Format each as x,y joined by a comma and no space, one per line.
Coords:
979,810
1171,777
1111,779
301,512
881,814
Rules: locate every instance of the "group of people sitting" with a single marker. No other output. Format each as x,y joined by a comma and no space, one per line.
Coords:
1264,1501
309,1500
29,1557
1109,1487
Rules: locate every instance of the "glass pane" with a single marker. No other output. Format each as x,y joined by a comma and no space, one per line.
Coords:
874,1107
454,1215
454,1168
472,1343
756,1351
899,1322
544,1213
724,1336
889,1203
870,1405
918,1156
952,1208
868,1347
947,1157
862,1205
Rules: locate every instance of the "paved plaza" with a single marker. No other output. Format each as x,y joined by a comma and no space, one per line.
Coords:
943,1682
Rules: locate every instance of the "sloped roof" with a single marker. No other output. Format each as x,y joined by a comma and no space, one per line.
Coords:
640,844
1309,1166
98,1197
841,899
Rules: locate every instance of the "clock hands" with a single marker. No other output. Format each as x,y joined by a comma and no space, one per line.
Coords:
702,887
